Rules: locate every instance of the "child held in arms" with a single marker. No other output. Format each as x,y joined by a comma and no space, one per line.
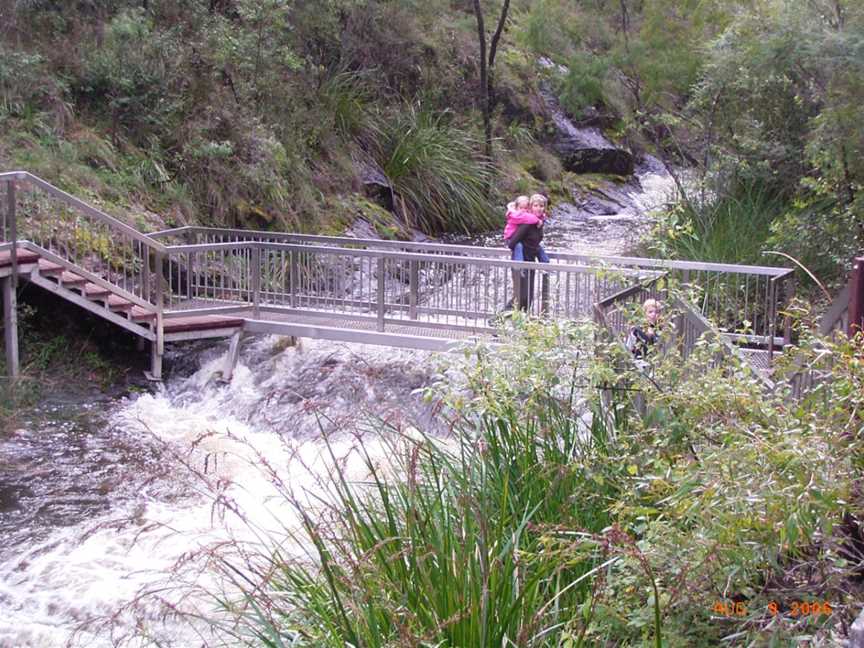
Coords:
524,211
642,338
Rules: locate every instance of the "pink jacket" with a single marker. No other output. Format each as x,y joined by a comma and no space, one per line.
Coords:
516,218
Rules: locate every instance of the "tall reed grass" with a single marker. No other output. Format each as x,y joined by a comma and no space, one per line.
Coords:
445,546
731,228
437,172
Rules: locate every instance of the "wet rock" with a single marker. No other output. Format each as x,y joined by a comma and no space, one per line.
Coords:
584,150
362,229
376,184
650,164
580,157
599,206
9,499
605,198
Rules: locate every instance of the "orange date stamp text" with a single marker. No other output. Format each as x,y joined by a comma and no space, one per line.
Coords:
795,609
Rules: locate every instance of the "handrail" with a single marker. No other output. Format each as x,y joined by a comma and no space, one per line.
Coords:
735,297
26,176
385,254
430,289
472,250
264,267
104,249
836,313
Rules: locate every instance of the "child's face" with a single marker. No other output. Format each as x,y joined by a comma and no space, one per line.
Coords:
652,313
522,204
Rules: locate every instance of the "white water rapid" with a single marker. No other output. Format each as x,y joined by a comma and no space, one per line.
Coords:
230,443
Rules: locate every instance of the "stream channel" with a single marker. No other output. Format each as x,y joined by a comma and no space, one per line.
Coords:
104,500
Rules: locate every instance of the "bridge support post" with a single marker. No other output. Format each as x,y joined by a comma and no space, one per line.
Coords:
413,288
155,373
856,297
256,281
10,326
233,355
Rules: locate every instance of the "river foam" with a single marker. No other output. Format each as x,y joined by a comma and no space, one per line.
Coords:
232,456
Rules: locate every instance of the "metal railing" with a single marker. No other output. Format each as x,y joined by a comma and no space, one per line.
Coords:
201,270
79,237
736,298
379,286
619,312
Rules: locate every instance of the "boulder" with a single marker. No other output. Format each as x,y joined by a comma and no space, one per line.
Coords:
650,164
584,150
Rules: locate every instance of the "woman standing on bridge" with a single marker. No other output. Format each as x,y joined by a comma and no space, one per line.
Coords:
525,244
523,232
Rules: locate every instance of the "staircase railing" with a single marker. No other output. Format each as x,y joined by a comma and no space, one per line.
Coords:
616,315
78,236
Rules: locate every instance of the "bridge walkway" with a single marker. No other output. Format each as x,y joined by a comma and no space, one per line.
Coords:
190,283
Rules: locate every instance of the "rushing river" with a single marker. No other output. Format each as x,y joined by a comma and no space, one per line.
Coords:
109,507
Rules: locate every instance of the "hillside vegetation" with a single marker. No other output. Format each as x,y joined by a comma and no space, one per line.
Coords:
271,113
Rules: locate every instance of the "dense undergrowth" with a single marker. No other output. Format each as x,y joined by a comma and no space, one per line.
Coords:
274,113
547,521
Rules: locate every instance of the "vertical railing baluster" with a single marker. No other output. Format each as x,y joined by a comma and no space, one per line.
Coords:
772,323
13,229
256,281
788,296
380,293
292,278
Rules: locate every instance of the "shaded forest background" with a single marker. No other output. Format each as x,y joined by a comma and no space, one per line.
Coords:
272,113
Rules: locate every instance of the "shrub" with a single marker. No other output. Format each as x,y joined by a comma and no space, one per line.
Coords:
731,227
582,85
437,172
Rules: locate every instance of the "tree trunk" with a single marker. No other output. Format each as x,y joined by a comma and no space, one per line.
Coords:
487,85
484,79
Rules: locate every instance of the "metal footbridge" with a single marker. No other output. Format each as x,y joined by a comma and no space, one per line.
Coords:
196,282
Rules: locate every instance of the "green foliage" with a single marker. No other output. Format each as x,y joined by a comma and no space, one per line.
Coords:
821,230
124,80
730,228
540,524
582,85
437,172
551,28
444,544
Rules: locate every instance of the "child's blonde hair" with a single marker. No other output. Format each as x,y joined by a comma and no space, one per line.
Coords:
652,304
522,201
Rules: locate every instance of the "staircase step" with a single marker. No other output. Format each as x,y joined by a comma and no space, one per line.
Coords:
94,291
25,256
118,303
138,314
72,279
201,323
48,268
